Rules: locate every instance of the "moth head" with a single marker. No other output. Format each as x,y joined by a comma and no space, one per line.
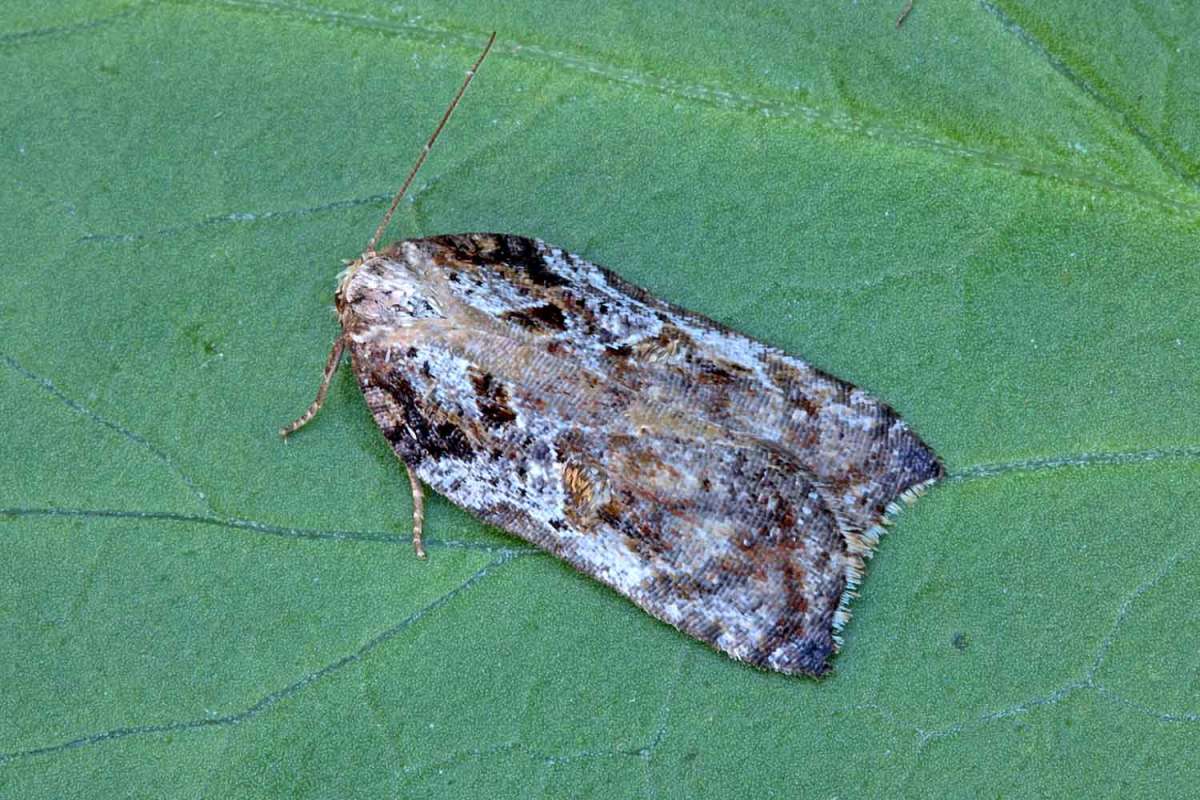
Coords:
384,289
344,278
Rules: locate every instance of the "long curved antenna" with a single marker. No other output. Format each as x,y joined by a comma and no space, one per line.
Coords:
387,218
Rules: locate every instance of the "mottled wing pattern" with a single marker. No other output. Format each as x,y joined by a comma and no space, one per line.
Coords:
725,487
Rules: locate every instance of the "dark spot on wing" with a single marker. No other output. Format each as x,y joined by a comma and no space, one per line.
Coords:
491,398
610,512
420,435
543,318
523,254
719,373
502,251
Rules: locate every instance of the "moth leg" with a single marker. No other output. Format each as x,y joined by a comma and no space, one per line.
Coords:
335,356
418,496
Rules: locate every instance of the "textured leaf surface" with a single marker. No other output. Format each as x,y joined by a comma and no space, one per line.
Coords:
989,217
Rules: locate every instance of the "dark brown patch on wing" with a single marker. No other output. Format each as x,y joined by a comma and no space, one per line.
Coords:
546,318
491,398
466,248
414,432
523,253
516,256
647,537
717,372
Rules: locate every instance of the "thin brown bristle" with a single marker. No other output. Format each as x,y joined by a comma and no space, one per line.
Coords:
387,218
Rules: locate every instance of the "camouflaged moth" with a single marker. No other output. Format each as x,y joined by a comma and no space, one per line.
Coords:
724,486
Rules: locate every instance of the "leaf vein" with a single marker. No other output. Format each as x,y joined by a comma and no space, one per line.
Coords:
55,31
711,95
283,531
981,471
1160,151
271,699
141,441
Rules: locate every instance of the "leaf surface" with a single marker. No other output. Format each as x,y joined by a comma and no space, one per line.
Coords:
988,217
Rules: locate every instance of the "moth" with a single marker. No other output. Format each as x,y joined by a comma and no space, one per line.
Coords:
724,486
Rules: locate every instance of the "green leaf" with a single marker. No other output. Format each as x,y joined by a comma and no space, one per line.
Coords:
989,216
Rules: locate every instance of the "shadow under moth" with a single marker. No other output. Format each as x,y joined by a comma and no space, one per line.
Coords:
722,485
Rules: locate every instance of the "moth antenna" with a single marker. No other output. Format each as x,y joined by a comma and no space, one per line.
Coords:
387,218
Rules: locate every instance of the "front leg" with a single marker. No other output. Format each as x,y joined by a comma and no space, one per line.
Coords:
335,356
418,496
